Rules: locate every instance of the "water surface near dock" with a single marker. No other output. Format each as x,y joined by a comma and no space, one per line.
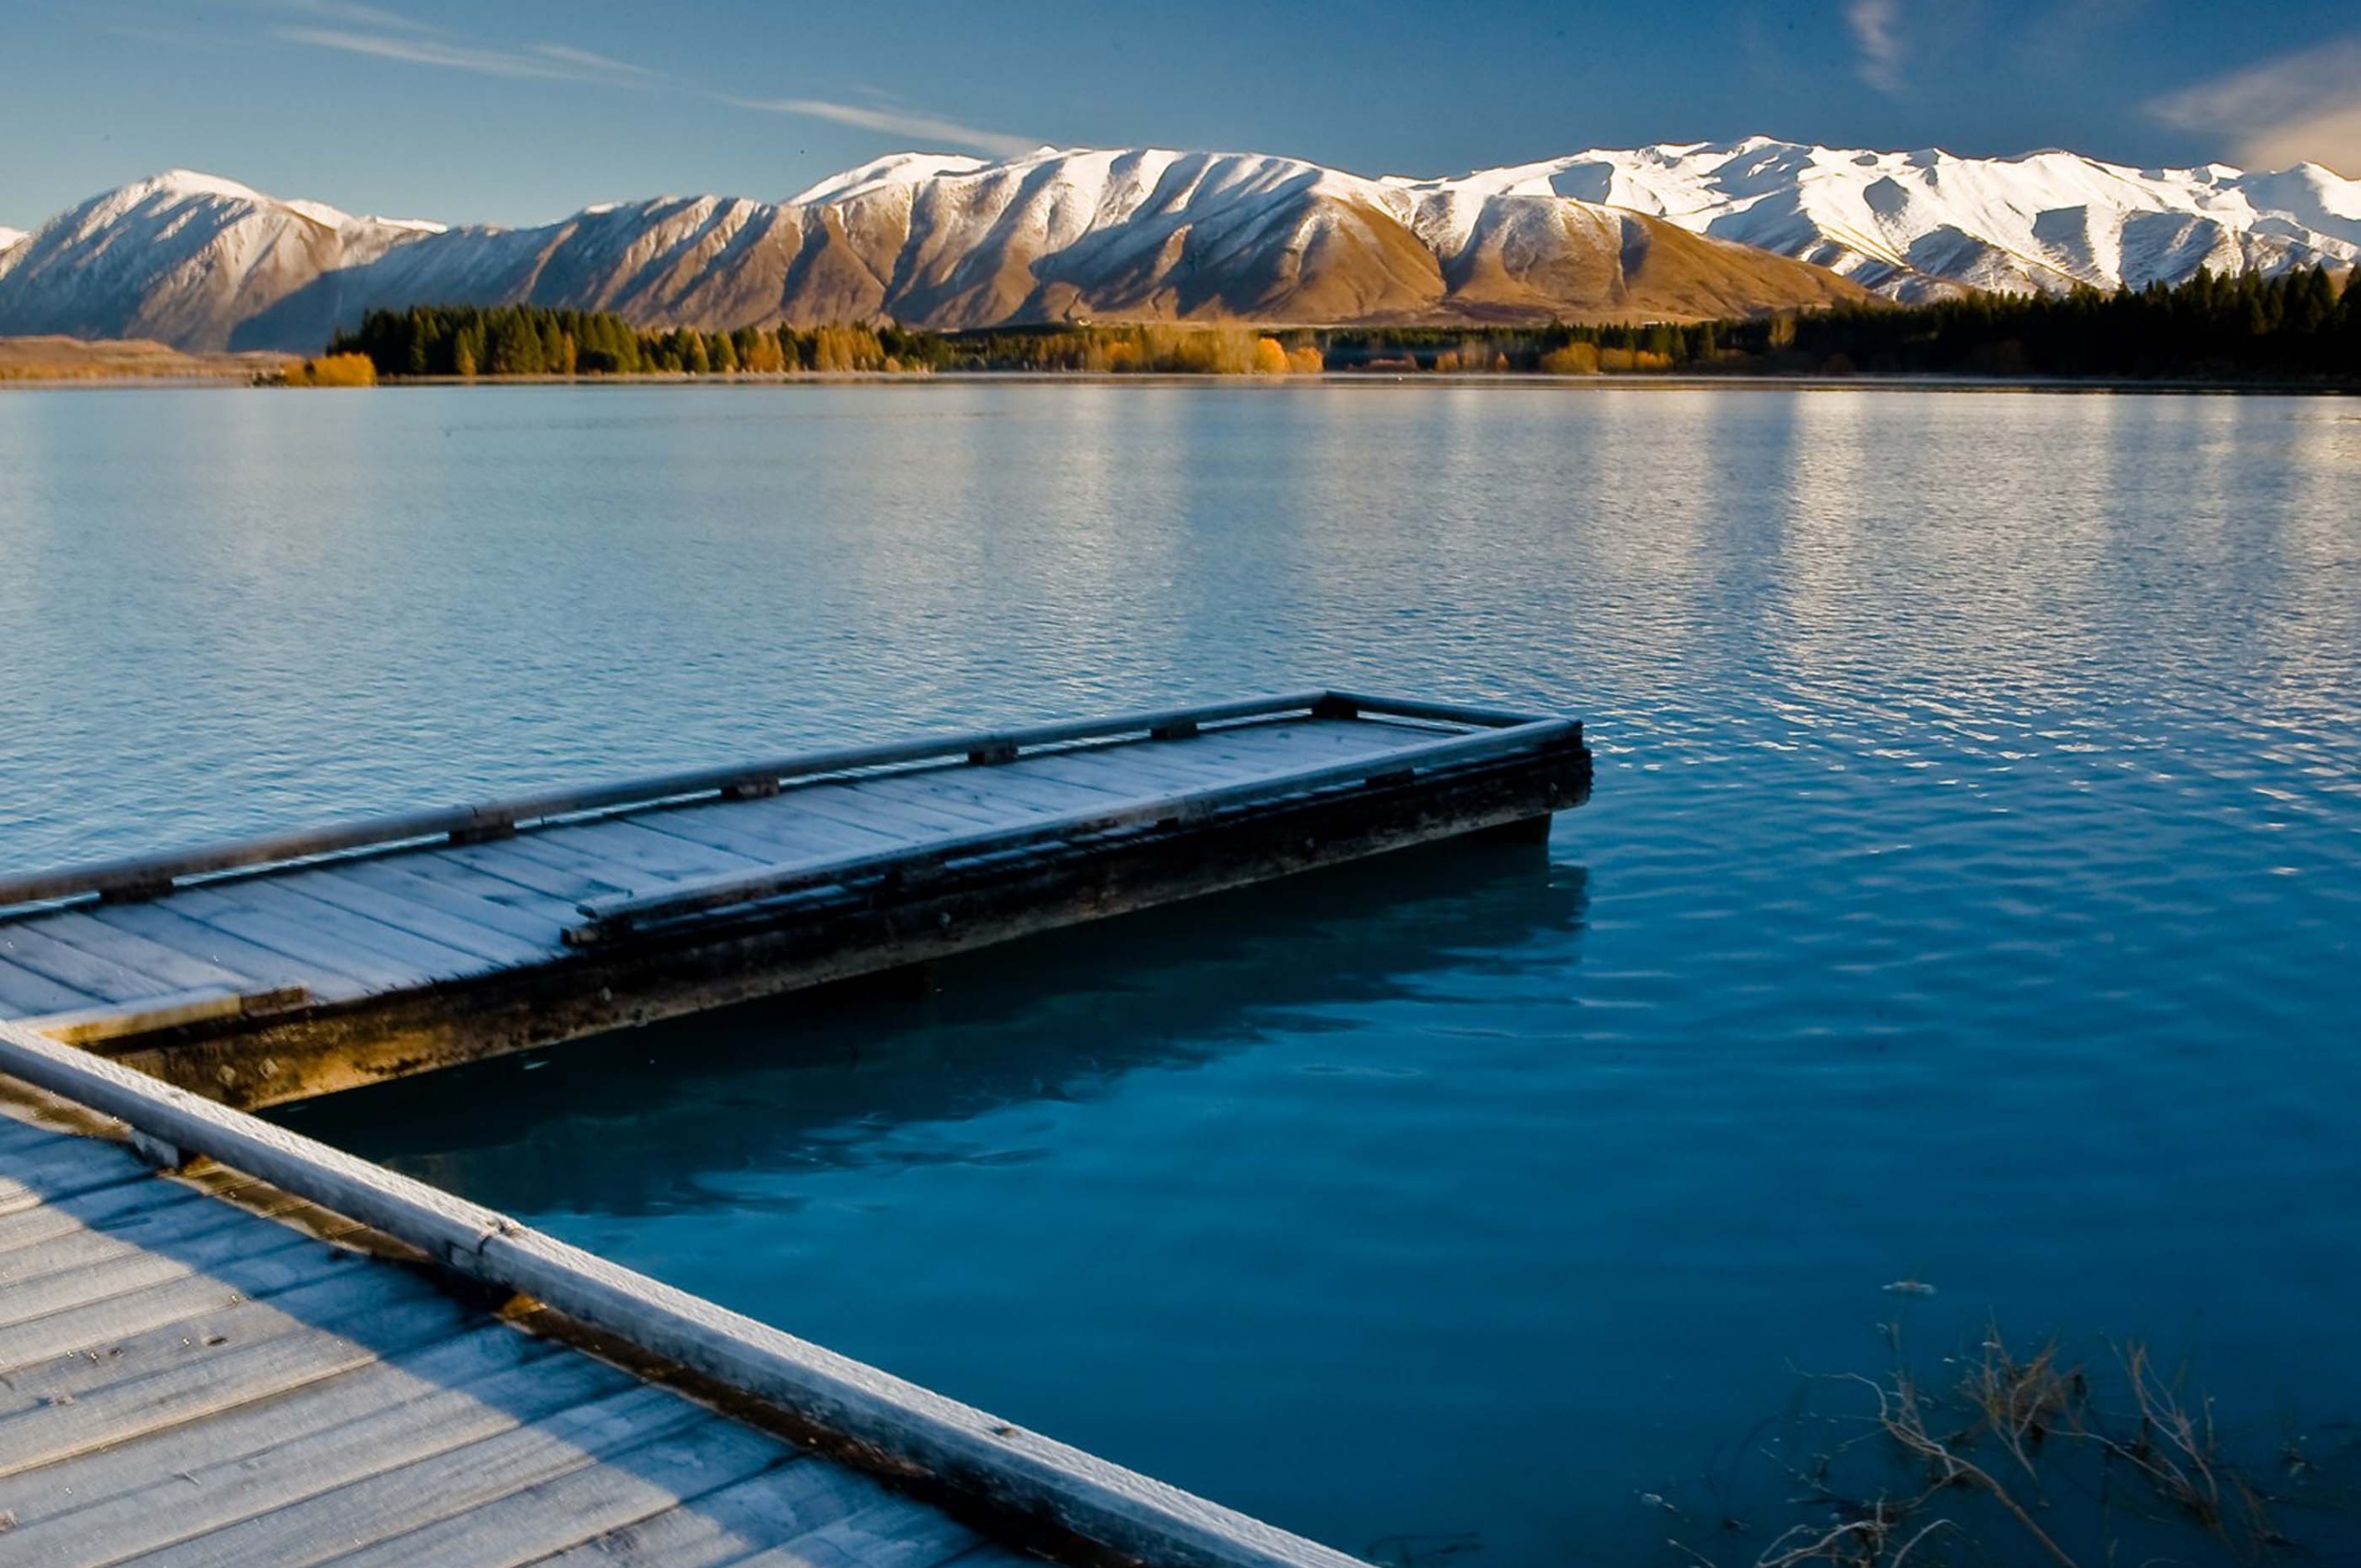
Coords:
1969,893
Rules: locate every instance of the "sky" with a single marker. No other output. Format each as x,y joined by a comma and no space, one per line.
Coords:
522,110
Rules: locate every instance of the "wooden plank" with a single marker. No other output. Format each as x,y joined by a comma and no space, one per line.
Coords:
27,946
231,1376
441,922
25,994
177,970
60,1166
651,854
323,1307
194,1232
895,1533
529,1525
265,966
469,894
321,934
908,824
478,1365
1036,794
409,1497
722,1527
234,1257
570,877
159,1491
769,838
94,1323
783,819
117,1210
288,933
964,813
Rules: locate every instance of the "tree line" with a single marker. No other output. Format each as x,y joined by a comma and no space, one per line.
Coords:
2299,326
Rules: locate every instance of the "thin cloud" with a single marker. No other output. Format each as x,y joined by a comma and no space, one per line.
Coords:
351,12
1877,36
912,123
2291,109
546,62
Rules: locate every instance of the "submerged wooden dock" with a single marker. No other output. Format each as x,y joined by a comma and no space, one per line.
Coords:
305,962
287,1356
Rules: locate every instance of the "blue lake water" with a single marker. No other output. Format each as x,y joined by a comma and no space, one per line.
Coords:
1970,895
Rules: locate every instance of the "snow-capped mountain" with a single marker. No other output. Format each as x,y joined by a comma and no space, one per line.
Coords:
932,241
9,238
1662,233
1913,224
183,258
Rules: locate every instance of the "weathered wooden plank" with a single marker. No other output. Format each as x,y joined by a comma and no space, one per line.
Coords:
59,1168
940,812
158,1491
84,1324
470,893
783,819
264,912
909,822
647,854
441,920
234,1257
172,968
407,1497
895,1533
26,994
27,946
323,1308
571,1508
307,945
722,1527
526,862
264,965
488,1364
231,1376
1035,794
118,1210
766,837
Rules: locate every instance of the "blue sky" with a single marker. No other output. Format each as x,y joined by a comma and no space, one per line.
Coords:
521,111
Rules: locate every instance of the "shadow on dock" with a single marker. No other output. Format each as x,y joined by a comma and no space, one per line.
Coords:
818,1079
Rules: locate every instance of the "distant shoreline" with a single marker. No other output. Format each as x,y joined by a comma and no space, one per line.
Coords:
243,376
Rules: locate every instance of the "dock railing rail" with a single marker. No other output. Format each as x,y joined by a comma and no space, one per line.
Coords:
149,876
988,1462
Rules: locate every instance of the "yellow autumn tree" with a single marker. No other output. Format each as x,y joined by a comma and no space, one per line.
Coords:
1270,357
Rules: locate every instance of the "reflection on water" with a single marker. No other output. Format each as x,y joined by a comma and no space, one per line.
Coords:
853,1078
1970,895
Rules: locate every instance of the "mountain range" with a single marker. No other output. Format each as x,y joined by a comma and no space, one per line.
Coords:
1672,231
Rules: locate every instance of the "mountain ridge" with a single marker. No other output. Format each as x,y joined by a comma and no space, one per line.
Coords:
1678,231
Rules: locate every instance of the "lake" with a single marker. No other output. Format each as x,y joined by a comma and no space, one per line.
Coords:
1969,899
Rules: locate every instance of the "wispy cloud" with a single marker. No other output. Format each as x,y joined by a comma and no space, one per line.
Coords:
548,62
2287,110
1877,39
351,26
911,123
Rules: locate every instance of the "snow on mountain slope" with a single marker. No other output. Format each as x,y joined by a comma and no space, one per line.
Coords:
182,257
1917,225
1664,232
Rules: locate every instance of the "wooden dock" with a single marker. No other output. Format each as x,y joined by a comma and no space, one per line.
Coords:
285,1355
289,966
